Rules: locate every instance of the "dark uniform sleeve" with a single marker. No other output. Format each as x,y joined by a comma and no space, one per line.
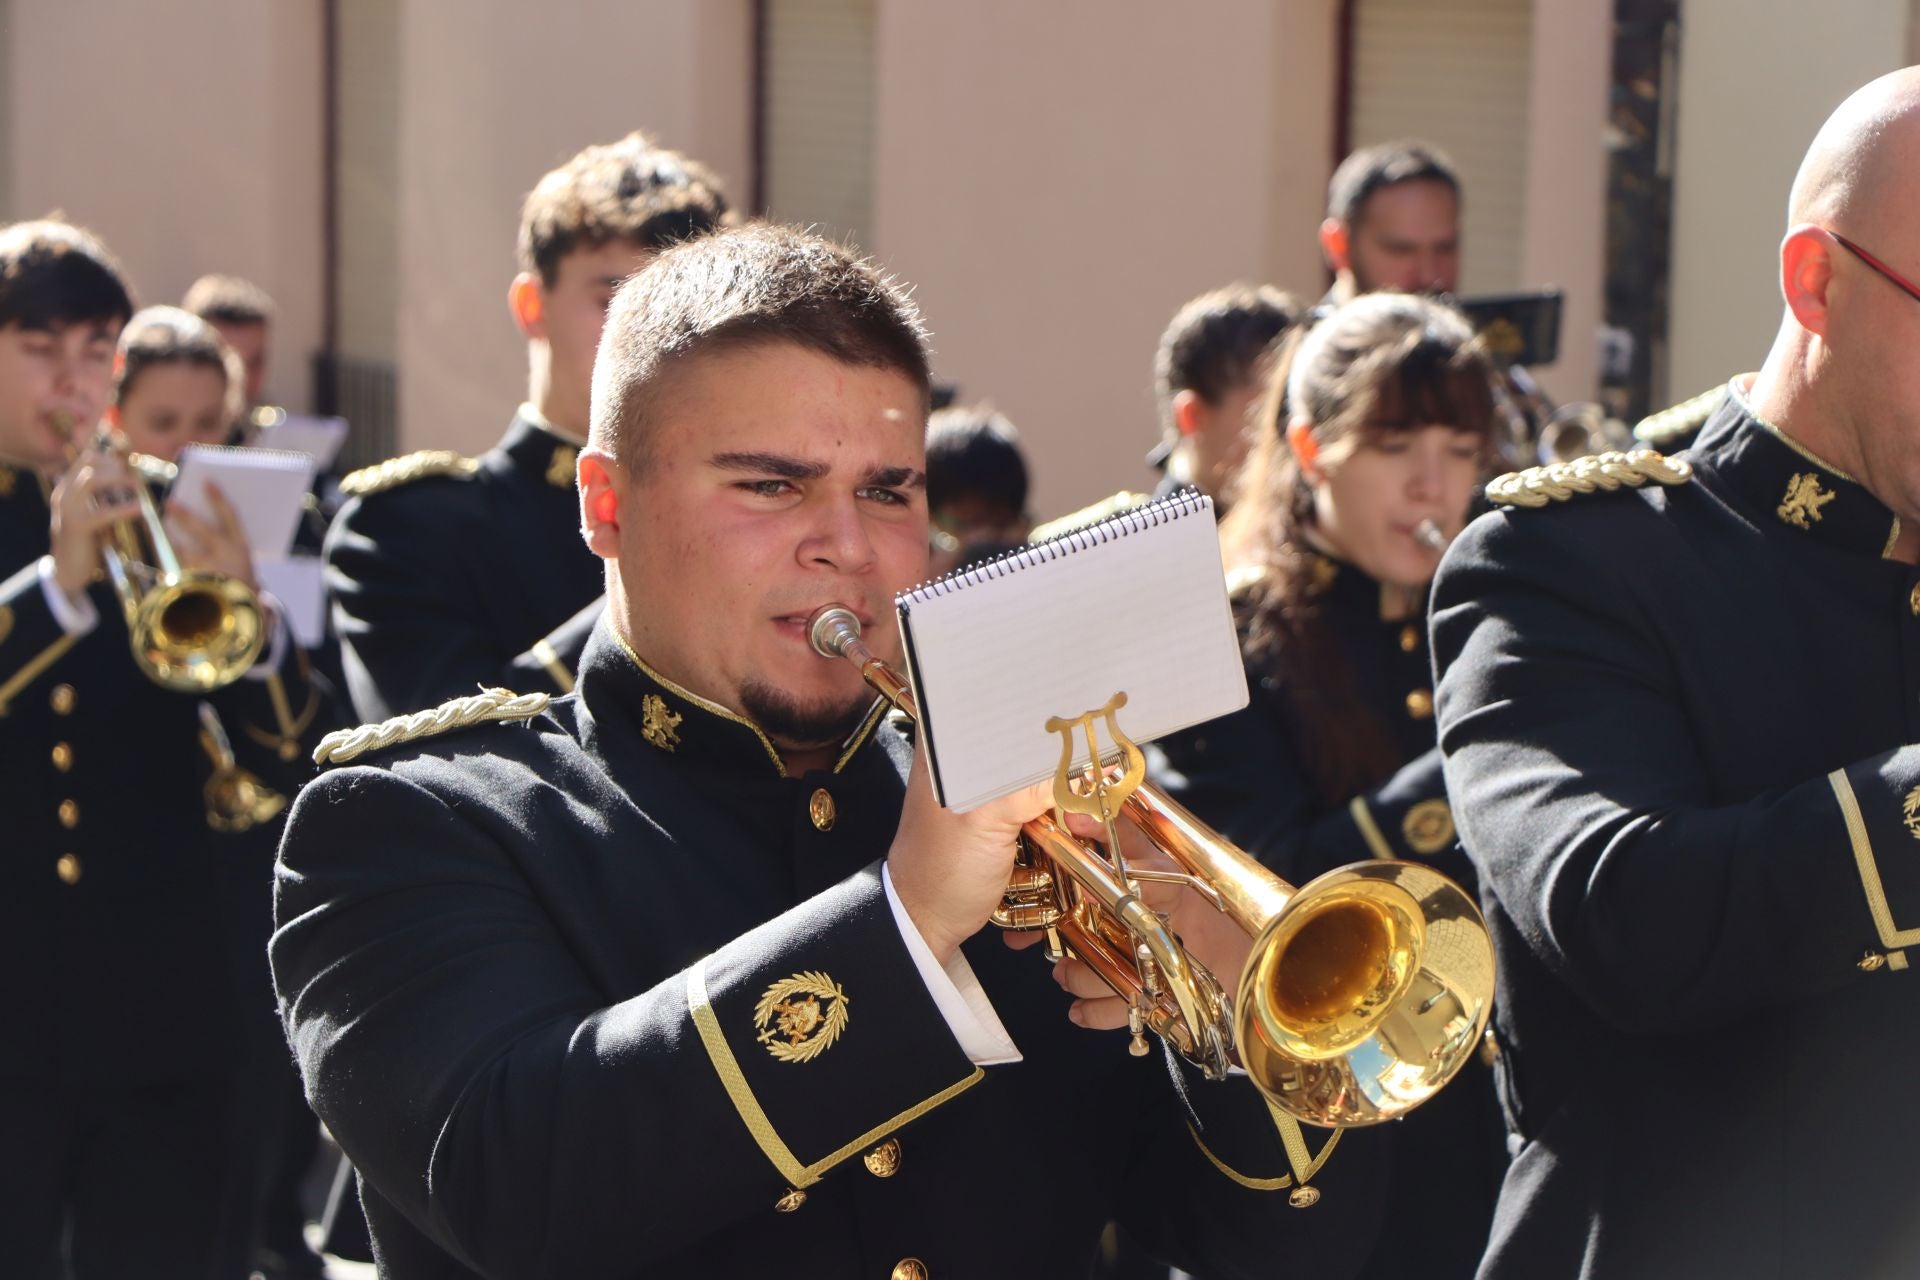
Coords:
553,661
1583,800
514,1096
406,604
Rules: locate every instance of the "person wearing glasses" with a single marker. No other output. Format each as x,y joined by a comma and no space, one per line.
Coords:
1679,704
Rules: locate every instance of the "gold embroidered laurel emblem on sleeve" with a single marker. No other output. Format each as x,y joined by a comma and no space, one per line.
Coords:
799,1018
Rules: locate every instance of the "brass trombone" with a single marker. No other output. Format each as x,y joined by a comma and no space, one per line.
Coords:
189,629
1365,990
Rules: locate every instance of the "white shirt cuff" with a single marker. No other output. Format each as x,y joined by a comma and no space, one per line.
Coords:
956,992
76,617
275,650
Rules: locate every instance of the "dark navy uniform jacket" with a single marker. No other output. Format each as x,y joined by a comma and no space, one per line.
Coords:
1246,775
439,583
1678,726
592,995
110,940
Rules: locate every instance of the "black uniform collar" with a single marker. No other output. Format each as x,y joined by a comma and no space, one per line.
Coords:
1786,484
624,698
536,447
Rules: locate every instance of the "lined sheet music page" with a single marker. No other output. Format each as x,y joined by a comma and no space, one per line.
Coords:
1136,603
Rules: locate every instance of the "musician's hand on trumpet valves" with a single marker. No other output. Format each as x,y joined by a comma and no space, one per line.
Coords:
95,493
949,871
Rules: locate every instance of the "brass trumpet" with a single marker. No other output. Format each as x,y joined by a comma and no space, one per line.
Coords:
1365,990
190,630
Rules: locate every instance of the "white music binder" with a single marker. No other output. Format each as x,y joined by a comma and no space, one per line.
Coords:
1136,603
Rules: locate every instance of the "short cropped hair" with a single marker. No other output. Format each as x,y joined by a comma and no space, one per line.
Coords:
742,287
228,300
974,452
172,335
631,190
1387,165
1215,343
53,274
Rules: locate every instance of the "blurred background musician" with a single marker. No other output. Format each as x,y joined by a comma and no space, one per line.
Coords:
1385,425
242,313
120,1036
176,382
1211,366
1213,363
976,486
1393,222
444,569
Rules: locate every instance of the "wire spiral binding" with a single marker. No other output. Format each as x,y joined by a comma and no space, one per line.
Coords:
1174,506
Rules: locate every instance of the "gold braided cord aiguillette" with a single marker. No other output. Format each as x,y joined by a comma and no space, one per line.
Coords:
1537,486
494,704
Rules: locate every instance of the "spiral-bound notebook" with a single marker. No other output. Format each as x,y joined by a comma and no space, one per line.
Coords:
1136,604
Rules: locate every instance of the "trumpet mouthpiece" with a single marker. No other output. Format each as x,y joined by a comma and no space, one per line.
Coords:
831,628
1430,536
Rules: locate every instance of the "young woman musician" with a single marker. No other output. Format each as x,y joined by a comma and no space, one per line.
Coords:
1377,429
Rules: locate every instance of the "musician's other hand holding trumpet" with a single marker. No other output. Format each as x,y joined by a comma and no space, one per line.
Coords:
1207,934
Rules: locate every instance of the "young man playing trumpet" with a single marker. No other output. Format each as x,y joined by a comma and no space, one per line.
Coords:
686,972
111,1068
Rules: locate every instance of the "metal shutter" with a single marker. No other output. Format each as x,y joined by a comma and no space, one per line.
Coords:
1454,73
819,114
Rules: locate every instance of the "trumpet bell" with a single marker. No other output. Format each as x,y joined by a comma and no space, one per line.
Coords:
196,632
1365,995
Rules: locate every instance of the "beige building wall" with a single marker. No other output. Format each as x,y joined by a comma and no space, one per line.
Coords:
1564,223
188,136
1057,179
1750,101
492,94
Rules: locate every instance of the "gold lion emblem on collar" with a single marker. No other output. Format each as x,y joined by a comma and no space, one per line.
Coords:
658,725
1801,507
807,1013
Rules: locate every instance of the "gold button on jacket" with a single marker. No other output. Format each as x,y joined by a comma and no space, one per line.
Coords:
68,868
910,1269
884,1160
820,809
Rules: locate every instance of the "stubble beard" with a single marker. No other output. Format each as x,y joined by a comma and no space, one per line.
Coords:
791,722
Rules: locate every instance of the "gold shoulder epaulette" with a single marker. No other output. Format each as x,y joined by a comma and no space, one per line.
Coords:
1537,486
1660,430
343,745
1124,500
395,472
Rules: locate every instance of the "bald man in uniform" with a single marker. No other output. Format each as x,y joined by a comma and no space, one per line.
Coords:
1679,710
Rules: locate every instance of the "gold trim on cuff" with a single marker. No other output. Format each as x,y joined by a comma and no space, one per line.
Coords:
700,1007
1369,830
1877,903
